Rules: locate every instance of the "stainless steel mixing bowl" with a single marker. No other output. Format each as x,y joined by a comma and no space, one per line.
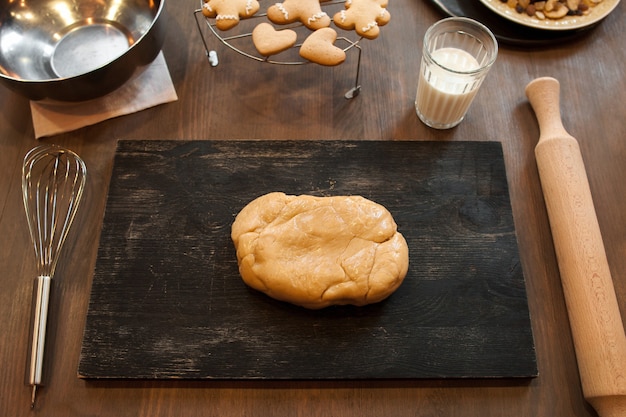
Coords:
75,50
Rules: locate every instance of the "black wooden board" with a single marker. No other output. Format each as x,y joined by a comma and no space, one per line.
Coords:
167,300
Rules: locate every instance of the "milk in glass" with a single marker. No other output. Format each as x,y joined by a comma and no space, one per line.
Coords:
443,96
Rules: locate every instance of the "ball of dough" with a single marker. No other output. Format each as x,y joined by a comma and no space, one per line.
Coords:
320,251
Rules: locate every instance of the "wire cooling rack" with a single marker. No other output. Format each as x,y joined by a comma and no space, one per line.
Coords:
239,40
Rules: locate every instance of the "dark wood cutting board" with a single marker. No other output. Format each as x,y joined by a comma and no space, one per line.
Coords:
167,300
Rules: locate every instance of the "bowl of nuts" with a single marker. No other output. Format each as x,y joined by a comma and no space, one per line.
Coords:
553,14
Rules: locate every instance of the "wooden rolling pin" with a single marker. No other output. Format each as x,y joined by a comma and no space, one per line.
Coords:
594,315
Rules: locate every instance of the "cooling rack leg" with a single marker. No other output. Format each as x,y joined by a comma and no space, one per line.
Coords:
356,90
211,54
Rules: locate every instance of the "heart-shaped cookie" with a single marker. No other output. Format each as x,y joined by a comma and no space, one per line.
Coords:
320,48
269,41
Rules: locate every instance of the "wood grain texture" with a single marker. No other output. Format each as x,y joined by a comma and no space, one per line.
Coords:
167,300
241,100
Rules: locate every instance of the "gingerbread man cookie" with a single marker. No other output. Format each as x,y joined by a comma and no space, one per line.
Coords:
364,16
228,12
309,12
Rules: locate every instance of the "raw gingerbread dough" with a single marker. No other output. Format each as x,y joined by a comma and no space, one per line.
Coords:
320,251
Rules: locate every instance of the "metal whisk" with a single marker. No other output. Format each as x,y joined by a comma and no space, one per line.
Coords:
53,180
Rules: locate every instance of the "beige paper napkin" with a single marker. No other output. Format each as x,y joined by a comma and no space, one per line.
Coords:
151,87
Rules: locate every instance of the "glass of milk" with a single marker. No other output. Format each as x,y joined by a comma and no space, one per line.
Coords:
457,55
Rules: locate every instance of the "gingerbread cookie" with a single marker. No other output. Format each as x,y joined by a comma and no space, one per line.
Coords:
319,47
269,41
228,12
309,12
364,16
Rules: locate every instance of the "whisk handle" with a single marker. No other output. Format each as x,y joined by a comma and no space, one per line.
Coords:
42,298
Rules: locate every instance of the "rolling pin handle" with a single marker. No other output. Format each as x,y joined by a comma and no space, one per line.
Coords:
544,96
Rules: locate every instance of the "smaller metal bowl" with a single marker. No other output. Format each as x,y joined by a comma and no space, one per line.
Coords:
76,50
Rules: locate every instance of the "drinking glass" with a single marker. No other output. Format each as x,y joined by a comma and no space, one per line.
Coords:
457,55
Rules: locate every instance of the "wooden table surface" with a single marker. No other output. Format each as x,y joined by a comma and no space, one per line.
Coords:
242,99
